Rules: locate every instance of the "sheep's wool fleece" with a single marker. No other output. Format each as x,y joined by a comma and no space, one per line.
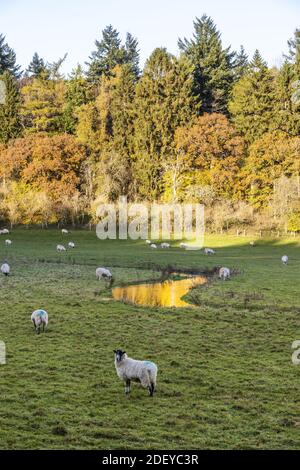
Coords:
131,368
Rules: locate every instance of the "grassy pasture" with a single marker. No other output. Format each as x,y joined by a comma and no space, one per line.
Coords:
225,377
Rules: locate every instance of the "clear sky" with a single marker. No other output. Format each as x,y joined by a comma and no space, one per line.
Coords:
53,27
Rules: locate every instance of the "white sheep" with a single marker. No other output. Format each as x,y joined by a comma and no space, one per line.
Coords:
71,245
5,269
8,242
285,259
129,370
60,248
148,242
103,272
165,245
209,251
64,231
39,319
183,245
224,273
252,243
153,246
4,231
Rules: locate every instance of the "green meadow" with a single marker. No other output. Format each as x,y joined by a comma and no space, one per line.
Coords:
225,379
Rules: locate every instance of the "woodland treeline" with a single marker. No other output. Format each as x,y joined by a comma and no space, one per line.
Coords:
212,126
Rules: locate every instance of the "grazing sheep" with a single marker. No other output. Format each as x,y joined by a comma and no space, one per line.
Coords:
103,272
183,245
153,246
64,231
209,251
285,259
5,268
8,242
60,248
71,245
4,231
138,371
224,273
252,243
165,245
39,319
148,242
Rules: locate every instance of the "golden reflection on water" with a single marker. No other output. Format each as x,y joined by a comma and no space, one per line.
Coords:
159,294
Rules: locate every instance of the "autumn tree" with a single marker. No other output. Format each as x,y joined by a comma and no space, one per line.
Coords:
43,102
212,154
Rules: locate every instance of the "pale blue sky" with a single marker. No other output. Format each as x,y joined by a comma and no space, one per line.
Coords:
53,27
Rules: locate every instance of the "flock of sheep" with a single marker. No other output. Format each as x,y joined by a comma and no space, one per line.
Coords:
127,369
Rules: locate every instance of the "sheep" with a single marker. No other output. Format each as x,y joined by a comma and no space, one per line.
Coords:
183,245
5,268
153,246
209,251
129,370
148,242
252,243
64,231
60,248
165,245
71,245
8,242
285,259
4,231
224,273
39,319
103,272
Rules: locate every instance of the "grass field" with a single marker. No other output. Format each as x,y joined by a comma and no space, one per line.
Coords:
225,377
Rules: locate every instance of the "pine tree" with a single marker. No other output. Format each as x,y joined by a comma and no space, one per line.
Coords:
132,54
77,94
36,66
252,106
240,64
10,127
164,101
109,53
8,59
213,75
293,55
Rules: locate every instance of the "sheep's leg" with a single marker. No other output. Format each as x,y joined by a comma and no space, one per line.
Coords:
127,387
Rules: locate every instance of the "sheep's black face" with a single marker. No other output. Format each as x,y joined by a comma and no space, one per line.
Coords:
119,355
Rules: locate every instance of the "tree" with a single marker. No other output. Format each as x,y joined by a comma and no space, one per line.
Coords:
77,94
240,64
272,156
109,53
36,67
164,101
8,59
10,126
212,154
42,108
132,54
252,104
293,55
52,164
213,73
